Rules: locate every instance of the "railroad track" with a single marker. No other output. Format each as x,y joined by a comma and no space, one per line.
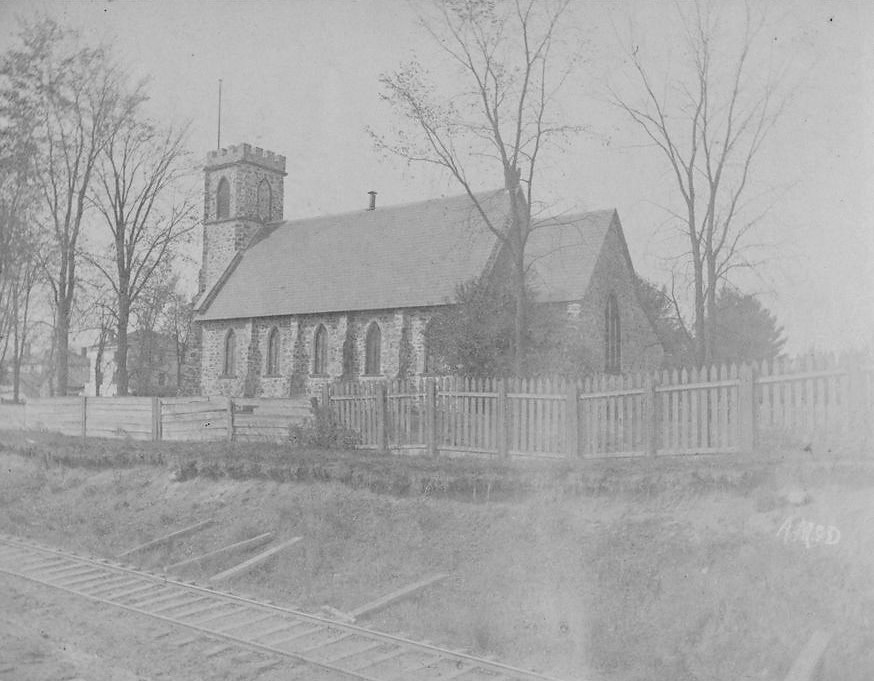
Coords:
349,650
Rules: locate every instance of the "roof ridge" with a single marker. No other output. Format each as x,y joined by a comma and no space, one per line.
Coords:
391,207
570,217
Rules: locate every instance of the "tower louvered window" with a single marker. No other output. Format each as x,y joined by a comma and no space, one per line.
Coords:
223,200
265,201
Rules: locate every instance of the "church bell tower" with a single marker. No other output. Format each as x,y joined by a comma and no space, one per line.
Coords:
243,190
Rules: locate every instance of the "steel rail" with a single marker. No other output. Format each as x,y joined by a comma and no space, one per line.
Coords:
15,551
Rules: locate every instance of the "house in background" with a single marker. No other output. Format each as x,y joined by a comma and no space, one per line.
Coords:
38,374
152,364
286,305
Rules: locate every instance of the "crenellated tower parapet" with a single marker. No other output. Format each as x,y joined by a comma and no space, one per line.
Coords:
237,153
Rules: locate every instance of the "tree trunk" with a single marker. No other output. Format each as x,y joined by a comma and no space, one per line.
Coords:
98,371
519,319
517,238
62,346
180,358
710,303
16,379
17,344
98,359
700,322
121,349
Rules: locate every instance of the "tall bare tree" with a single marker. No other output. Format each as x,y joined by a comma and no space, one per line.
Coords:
69,98
176,322
20,248
710,123
139,173
24,278
505,55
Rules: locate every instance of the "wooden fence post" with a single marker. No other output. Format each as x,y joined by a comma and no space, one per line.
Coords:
651,415
230,423
84,416
381,416
431,416
746,404
572,422
156,419
503,449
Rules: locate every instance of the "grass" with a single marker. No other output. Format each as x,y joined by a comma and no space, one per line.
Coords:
616,571
467,478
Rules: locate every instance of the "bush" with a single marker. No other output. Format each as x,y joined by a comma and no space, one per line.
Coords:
322,432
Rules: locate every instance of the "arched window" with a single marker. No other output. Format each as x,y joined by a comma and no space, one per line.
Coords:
349,353
265,201
223,200
273,352
373,345
430,364
320,350
230,363
612,336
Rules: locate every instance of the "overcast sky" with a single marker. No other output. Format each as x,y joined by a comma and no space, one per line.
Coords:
301,78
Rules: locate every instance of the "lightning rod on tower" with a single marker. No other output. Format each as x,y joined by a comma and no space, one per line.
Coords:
219,131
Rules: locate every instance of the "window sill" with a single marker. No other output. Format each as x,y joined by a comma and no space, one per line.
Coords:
272,376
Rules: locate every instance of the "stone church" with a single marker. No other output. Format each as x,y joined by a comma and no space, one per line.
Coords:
286,305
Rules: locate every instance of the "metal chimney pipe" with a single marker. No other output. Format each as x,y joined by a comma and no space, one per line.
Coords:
372,200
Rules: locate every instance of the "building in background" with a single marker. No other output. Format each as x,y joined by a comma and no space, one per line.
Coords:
38,374
153,366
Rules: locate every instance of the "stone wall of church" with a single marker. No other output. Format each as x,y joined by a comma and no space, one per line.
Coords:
401,351
403,340
640,346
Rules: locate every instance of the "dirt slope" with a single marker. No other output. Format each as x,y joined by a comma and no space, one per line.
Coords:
679,584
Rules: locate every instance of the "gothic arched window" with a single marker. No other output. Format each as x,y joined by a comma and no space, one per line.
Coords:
373,345
430,363
265,201
223,200
273,352
612,336
229,367
320,350
349,354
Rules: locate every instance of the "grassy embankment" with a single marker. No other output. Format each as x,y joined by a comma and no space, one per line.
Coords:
620,570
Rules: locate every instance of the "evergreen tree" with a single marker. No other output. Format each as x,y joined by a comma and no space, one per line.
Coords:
745,329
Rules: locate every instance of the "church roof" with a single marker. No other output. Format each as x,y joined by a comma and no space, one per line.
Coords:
411,255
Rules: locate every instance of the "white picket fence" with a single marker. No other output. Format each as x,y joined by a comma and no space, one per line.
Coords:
821,400
691,411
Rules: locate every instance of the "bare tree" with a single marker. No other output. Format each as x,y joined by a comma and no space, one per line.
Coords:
176,322
710,127
505,54
20,252
107,320
99,317
70,99
138,174
23,281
